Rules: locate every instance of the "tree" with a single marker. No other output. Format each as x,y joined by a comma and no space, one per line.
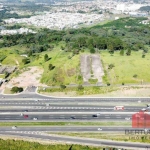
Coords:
16,89
122,52
92,50
46,57
51,67
25,61
128,53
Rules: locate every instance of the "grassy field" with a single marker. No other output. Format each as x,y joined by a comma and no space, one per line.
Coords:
24,145
110,136
126,67
65,123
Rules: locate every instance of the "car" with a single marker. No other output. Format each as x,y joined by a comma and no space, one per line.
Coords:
14,127
21,114
72,117
99,129
127,118
25,116
98,114
35,118
36,100
143,109
26,111
94,115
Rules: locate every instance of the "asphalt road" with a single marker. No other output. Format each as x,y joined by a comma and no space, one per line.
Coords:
35,132
64,117
42,97
71,129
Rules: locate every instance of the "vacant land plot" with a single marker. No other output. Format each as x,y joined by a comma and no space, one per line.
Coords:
85,63
27,78
97,67
127,69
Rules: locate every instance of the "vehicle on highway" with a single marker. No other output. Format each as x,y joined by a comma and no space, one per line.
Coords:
99,129
26,111
94,115
35,118
127,118
119,108
21,114
36,100
148,106
25,116
72,117
47,104
14,127
144,109
98,114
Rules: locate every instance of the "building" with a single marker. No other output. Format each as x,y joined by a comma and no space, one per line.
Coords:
141,120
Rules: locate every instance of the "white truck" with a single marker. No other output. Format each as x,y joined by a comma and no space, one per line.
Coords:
119,108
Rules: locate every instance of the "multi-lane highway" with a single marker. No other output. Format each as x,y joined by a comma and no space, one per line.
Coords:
37,132
26,107
64,117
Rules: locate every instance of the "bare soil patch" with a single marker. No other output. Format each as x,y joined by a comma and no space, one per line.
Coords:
31,77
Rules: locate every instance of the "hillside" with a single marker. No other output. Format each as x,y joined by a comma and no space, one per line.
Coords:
123,46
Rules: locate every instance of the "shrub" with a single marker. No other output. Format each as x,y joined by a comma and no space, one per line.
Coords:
80,87
62,86
135,76
16,89
108,84
110,66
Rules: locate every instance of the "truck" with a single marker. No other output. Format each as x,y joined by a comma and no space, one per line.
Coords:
119,108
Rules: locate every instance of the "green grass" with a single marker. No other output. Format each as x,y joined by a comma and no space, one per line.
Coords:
2,76
126,67
67,71
120,136
85,91
65,123
25,145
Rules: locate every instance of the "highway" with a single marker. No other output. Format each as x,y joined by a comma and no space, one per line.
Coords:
65,117
34,96
70,129
37,132
26,106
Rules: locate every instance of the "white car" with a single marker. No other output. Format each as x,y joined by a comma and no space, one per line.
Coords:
98,114
99,129
36,100
21,114
14,127
127,118
143,109
35,118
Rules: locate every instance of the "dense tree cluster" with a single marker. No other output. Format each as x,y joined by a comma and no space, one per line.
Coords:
119,35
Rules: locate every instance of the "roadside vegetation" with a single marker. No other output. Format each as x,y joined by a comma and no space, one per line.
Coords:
24,145
109,136
80,90
65,123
